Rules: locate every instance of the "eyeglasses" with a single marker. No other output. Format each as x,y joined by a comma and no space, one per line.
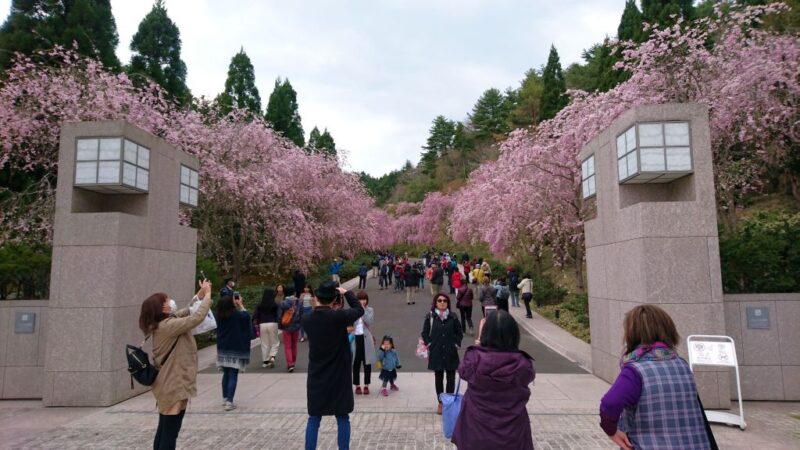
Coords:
441,300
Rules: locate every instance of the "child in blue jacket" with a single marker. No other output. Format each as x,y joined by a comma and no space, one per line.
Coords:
390,362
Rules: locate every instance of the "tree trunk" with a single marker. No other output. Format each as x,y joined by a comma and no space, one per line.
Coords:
579,268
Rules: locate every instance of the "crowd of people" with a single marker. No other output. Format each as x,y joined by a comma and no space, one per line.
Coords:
336,324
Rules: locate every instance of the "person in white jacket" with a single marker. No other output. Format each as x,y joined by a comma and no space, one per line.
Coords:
526,287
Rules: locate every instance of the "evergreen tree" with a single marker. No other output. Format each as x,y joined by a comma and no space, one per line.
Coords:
489,116
282,112
631,23
321,142
439,142
156,48
554,87
240,86
526,109
41,24
659,11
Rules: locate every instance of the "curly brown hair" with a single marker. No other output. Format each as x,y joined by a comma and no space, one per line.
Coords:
152,312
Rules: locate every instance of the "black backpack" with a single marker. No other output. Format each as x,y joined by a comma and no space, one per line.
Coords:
139,364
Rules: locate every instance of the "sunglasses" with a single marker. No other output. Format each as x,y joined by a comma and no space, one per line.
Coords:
441,300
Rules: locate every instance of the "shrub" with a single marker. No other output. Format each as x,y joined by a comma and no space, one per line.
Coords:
24,271
762,255
547,291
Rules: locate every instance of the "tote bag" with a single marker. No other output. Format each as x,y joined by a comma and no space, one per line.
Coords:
209,322
451,407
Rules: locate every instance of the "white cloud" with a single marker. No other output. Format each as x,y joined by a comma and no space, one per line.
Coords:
376,72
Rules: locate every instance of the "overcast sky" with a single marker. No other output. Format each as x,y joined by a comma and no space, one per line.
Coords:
376,72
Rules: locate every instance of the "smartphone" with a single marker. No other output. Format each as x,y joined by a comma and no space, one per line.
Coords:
236,295
202,275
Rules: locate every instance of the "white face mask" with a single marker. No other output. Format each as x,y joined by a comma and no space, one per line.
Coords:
173,307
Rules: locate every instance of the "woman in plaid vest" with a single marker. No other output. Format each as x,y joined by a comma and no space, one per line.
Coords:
653,404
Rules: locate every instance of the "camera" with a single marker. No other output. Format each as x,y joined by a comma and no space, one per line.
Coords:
236,295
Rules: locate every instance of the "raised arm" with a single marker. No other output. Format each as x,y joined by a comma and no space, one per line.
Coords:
180,325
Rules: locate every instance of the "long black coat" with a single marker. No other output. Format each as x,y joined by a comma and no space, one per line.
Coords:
443,340
330,365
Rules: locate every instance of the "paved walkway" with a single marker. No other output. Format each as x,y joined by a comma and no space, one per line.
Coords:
271,410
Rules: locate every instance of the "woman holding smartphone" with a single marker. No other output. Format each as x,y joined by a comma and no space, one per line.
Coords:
234,332
493,411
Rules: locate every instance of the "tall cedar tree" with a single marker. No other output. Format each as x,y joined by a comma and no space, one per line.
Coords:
322,142
282,112
156,48
529,96
631,26
659,11
439,142
489,116
554,88
240,86
41,24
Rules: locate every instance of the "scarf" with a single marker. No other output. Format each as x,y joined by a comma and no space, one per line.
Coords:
443,314
657,351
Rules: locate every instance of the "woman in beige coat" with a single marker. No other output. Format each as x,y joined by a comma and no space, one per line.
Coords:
175,384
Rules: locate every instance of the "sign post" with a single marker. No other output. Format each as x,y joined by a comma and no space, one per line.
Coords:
709,350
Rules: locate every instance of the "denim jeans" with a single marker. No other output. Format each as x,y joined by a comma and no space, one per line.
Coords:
306,310
343,435
230,377
514,298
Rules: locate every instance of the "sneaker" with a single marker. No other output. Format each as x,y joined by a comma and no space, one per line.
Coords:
264,365
394,387
366,390
229,406
529,317
358,390
384,392
302,339
291,368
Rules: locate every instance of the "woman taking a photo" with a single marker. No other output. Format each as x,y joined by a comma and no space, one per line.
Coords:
442,333
175,350
654,395
233,344
493,411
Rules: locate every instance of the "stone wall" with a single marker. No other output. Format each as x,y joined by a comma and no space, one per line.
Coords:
768,351
22,354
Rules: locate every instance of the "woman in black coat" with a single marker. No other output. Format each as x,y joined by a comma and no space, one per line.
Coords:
442,333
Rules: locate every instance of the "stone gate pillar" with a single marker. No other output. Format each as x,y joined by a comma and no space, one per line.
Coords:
117,240
653,239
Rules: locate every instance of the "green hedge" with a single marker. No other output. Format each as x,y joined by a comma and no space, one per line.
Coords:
24,271
762,255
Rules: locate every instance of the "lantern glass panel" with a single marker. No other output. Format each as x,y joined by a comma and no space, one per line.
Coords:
650,135
129,174
677,134
110,149
130,151
679,158
108,172
632,163
87,150
142,178
144,157
86,173
652,159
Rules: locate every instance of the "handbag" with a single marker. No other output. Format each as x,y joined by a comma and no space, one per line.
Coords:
209,322
139,363
451,408
287,316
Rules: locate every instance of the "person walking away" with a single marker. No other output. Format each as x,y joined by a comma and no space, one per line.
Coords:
265,317
429,277
456,279
411,282
653,404
390,362
513,280
420,274
375,267
467,270
502,294
487,269
307,297
383,282
328,383
362,276
442,333
399,274
526,287
234,333
299,279
290,313
227,287
493,410
336,266
437,279
363,346
391,270
488,295
464,297
175,357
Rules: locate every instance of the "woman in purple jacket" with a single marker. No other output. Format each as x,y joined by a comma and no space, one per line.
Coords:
493,413
653,404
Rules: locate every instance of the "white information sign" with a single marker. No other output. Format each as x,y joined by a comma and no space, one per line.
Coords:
712,353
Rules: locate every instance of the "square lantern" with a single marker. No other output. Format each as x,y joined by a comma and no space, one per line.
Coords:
112,165
190,187
588,184
654,152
